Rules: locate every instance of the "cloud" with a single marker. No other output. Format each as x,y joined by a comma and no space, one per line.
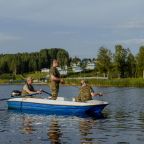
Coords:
133,41
52,12
132,24
64,12
64,33
5,37
72,24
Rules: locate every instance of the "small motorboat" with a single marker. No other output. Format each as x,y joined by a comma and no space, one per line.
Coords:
56,106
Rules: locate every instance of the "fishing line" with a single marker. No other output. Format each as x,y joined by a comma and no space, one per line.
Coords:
117,91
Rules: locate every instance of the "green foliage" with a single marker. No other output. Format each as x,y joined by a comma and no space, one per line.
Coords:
120,59
36,75
121,64
124,82
29,62
7,76
131,65
63,57
140,62
104,60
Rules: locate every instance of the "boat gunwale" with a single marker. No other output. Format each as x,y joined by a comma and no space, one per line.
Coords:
59,103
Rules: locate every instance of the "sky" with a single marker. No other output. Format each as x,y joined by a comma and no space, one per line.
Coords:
79,26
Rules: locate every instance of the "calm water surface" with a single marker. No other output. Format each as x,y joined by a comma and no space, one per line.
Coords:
123,121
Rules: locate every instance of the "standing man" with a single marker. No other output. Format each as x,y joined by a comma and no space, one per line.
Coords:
55,79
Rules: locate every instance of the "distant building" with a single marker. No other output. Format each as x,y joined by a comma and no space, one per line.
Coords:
45,70
77,69
90,66
62,71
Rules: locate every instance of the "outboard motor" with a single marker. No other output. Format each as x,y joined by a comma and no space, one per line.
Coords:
15,93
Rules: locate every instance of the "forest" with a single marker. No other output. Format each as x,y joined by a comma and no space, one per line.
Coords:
122,63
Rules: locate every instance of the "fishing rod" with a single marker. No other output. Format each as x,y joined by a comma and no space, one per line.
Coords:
114,91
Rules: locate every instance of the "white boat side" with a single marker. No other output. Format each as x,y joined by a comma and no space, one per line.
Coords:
59,101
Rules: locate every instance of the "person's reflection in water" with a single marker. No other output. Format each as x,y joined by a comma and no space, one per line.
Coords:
27,125
54,132
85,127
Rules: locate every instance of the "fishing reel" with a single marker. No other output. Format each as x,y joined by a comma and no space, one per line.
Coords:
15,93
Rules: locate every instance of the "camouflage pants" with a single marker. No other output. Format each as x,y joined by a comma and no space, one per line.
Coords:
78,99
54,90
82,98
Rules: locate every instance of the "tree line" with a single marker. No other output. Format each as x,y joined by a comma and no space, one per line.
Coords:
28,62
122,63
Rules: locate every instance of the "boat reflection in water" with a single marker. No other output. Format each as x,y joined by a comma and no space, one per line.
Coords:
56,129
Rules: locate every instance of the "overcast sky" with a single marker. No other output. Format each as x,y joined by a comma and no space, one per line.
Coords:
79,26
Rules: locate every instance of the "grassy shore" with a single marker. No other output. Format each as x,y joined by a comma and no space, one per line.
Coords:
126,82
75,80
4,81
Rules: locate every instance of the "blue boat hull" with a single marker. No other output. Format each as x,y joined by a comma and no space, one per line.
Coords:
26,106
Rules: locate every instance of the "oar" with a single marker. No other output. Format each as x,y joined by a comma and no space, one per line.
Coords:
21,96
46,92
105,93
4,99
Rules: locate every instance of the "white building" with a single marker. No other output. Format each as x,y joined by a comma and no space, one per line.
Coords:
45,70
77,69
90,66
62,71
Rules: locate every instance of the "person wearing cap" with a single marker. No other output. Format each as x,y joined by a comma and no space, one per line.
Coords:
28,87
86,92
55,79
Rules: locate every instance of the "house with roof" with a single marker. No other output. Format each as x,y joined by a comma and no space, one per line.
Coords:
90,66
62,71
46,70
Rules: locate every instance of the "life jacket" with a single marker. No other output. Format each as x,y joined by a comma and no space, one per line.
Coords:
30,87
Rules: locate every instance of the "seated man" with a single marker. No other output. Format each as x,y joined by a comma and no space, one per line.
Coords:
86,92
28,88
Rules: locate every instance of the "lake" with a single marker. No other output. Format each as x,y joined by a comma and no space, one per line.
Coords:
122,121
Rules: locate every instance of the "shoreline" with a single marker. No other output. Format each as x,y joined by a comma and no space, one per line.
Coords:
125,82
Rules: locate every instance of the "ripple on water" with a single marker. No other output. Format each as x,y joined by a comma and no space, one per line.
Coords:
123,123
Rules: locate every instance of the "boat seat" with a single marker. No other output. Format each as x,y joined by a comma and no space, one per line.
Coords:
65,99
60,98
73,99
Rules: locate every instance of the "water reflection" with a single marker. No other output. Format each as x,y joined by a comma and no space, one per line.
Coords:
85,127
56,128
54,131
124,122
27,125
141,118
